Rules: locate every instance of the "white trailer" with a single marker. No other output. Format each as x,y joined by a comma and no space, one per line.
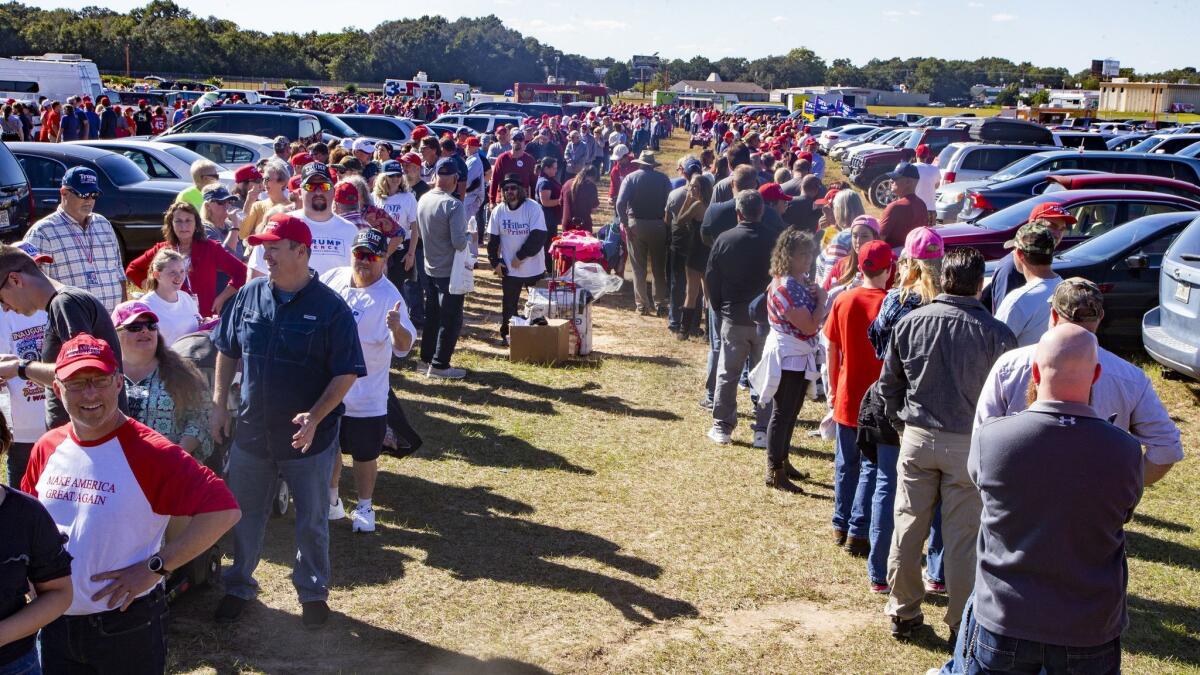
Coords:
451,92
55,76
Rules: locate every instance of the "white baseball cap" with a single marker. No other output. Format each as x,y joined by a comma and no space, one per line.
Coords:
364,145
620,151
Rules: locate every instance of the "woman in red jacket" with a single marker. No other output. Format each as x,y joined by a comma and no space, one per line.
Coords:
210,260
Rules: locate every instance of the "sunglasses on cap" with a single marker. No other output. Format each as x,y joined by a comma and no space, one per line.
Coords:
139,326
92,197
317,187
366,256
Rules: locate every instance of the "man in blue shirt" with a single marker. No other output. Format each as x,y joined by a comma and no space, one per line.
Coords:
300,353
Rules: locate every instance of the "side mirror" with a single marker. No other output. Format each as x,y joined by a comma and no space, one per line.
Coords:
1137,262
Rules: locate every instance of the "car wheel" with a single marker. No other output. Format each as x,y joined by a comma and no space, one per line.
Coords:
880,191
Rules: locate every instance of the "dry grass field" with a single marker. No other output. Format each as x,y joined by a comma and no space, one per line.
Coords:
575,520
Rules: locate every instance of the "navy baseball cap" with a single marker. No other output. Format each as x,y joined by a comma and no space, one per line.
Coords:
218,194
314,172
392,168
905,170
371,239
445,167
82,180
692,165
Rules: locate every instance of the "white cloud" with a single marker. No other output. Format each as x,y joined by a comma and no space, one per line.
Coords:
543,26
1003,17
779,19
605,24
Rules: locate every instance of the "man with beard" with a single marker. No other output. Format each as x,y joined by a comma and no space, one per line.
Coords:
516,162
332,235
518,233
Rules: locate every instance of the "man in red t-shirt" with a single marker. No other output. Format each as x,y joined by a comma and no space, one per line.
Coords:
51,123
111,485
515,161
907,212
623,165
853,368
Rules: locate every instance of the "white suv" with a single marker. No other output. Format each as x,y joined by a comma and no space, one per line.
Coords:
969,160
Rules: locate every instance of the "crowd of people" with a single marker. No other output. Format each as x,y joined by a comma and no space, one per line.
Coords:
954,410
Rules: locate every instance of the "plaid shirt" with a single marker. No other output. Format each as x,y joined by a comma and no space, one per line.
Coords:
88,259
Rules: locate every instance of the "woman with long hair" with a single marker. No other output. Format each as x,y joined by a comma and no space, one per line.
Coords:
208,260
845,273
919,283
176,310
795,308
579,200
694,251
166,392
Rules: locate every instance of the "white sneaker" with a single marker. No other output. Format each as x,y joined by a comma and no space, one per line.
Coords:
362,520
760,439
719,436
336,510
446,373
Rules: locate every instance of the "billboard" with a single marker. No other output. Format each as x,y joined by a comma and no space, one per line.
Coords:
651,62
1112,68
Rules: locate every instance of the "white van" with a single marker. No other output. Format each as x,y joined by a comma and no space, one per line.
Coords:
55,76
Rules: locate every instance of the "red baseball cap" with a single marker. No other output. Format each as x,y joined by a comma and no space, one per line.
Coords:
874,256
923,152
805,155
473,140
828,198
294,183
410,158
283,227
345,193
300,159
1051,212
810,141
772,192
247,173
84,351
420,132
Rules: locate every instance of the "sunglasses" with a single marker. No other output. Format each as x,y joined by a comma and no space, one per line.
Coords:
142,325
92,197
366,256
99,382
317,187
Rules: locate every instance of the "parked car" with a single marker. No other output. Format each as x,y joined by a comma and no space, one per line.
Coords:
16,199
386,127
893,138
839,149
1168,166
829,122
1192,150
1125,263
829,137
1127,141
1097,212
128,198
160,161
868,171
301,93
977,161
908,118
440,128
983,199
1166,144
257,121
483,124
228,150
1171,331
515,109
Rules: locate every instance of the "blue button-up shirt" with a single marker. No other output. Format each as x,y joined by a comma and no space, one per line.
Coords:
290,352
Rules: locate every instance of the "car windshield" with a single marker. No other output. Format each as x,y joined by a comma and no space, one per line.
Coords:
1008,218
1109,244
1017,168
1146,144
182,153
333,125
120,170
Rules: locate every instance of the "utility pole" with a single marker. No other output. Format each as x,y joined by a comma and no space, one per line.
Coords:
126,59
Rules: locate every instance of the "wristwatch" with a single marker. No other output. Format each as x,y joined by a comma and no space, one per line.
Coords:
155,564
21,366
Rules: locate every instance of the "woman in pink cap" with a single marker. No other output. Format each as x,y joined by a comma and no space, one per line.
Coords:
920,282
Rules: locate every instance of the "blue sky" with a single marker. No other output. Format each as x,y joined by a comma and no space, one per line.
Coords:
1148,35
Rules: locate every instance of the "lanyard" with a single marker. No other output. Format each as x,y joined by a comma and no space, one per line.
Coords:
74,230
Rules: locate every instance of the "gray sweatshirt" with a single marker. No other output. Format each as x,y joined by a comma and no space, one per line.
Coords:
443,224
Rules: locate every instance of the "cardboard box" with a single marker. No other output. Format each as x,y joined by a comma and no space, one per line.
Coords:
540,344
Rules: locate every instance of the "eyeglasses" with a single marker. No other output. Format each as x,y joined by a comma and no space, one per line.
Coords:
89,197
142,325
365,256
99,382
317,187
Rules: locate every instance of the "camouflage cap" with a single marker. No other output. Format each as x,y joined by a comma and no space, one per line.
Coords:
1033,238
1078,300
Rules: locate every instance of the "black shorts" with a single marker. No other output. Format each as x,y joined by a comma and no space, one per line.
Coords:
362,437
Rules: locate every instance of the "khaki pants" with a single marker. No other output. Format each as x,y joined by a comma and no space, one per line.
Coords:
933,464
648,246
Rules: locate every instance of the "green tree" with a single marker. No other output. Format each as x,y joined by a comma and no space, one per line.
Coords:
1039,97
1008,95
617,78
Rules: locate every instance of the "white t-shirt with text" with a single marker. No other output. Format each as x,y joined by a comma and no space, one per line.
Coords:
331,243
513,228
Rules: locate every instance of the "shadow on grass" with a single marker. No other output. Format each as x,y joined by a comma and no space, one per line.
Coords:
1151,521
1152,549
1163,630
272,641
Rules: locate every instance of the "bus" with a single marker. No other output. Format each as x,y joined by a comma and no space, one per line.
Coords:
536,92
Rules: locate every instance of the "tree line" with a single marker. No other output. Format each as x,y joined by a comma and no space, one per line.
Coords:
164,37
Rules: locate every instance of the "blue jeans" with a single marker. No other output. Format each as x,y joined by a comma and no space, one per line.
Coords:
883,504
411,283
24,665
676,287
850,514
714,351
443,322
133,641
251,478
979,651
